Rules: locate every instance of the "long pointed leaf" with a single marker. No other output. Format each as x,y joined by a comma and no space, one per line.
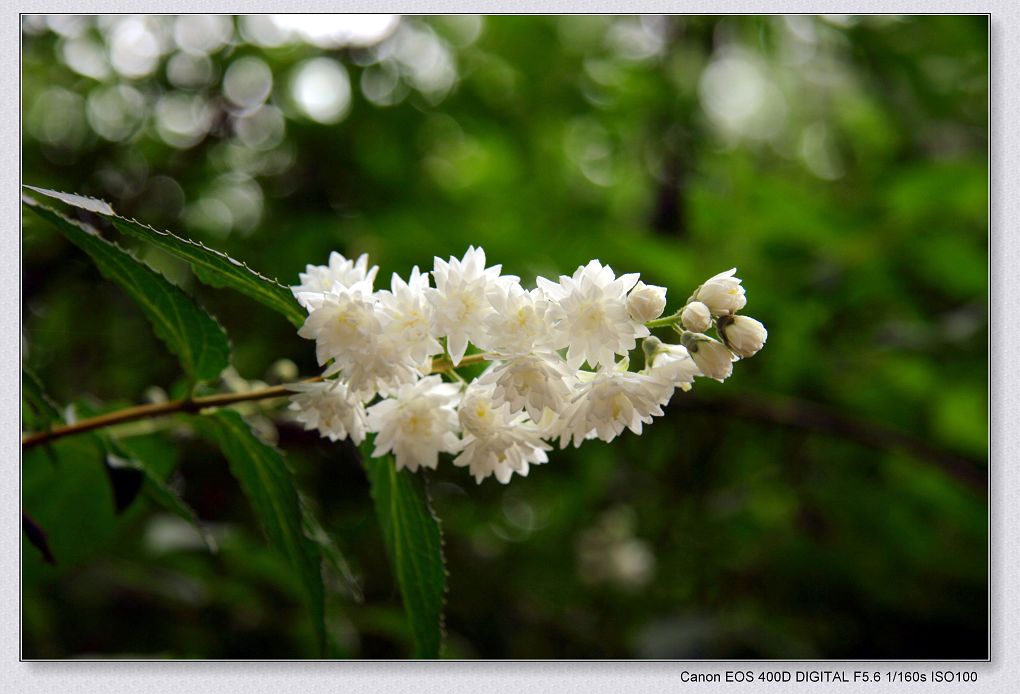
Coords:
39,412
188,331
211,266
267,482
414,544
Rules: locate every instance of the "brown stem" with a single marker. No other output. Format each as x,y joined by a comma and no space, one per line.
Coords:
131,414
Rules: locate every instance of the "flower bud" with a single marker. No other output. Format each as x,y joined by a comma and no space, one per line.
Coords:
674,364
651,346
711,356
646,302
696,317
722,294
743,335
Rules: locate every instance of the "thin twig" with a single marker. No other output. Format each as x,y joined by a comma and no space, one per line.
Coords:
161,409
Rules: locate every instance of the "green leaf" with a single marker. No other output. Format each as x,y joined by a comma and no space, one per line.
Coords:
37,537
267,482
414,544
189,332
40,412
123,456
211,266
74,200
332,557
66,491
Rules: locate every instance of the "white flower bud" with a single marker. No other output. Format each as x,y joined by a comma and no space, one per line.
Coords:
722,294
711,356
743,335
696,317
646,302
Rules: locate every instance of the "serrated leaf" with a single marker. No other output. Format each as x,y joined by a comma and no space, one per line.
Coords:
211,266
267,482
188,331
74,200
414,544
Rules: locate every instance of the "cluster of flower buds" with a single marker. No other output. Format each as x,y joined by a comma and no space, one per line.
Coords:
557,364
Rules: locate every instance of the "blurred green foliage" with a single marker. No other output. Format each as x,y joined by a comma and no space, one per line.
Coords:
838,162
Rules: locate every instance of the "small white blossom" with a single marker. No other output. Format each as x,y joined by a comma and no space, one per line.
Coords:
533,382
722,294
460,300
519,323
329,407
383,366
711,356
611,400
408,315
318,279
342,321
417,424
497,442
590,312
646,302
696,317
743,335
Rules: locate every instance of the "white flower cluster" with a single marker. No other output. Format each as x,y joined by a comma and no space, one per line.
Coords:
557,358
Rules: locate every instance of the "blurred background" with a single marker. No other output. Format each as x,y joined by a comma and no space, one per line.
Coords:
828,501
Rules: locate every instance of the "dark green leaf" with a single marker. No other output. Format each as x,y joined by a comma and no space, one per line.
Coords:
37,537
71,498
190,333
267,482
211,266
157,490
414,544
40,411
332,557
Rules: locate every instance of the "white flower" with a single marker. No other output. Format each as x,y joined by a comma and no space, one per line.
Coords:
743,335
342,321
382,367
497,442
534,382
590,311
722,293
611,400
329,407
460,299
646,302
408,315
711,356
519,323
417,424
673,364
696,317
317,279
